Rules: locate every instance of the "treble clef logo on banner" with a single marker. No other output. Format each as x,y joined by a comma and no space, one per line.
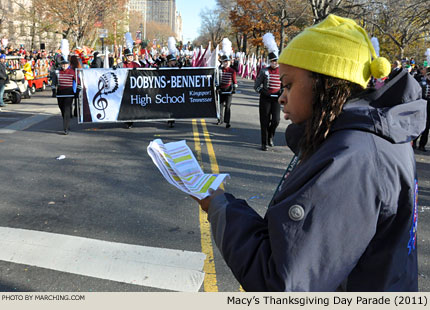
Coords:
108,84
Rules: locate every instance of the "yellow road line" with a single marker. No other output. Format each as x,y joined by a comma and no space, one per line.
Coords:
210,282
211,152
212,158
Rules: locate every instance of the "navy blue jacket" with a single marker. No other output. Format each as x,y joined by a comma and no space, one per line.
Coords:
346,218
3,74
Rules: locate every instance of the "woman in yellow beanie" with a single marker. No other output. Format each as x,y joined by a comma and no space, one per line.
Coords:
344,216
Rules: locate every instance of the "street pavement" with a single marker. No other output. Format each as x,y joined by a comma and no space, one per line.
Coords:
104,219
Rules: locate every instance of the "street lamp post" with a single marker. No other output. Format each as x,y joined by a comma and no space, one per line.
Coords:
103,35
141,32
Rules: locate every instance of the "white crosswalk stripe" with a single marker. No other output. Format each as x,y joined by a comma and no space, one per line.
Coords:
25,123
147,266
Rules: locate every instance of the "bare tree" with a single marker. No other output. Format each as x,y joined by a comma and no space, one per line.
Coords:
322,8
136,22
404,23
252,19
78,18
213,26
226,5
159,31
289,13
3,16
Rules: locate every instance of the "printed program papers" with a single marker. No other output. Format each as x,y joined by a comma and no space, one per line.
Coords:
180,168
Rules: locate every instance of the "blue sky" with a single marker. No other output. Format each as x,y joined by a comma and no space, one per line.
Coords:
190,11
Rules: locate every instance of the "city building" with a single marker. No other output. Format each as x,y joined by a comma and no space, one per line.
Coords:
178,27
17,28
160,11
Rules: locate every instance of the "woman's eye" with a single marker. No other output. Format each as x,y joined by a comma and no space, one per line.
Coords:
285,86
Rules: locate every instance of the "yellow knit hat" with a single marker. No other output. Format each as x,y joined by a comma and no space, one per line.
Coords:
336,47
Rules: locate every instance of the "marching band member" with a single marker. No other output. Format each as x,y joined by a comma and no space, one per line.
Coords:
65,92
129,63
228,83
129,60
268,85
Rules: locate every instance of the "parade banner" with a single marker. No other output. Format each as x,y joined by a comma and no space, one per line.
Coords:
121,95
102,94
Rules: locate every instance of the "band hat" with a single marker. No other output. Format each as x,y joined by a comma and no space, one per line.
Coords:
63,61
272,56
225,58
170,57
128,52
336,47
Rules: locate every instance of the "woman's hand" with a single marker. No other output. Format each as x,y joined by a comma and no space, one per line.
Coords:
204,203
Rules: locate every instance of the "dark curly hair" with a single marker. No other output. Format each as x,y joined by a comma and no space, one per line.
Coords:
330,95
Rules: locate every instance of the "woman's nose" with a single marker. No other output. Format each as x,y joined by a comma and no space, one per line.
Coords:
282,98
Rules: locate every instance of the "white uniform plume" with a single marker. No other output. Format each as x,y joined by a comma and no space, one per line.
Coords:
128,41
65,50
226,47
428,56
375,44
171,45
270,43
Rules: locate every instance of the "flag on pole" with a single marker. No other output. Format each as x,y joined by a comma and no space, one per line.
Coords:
254,67
241,55
197,57
201,61
207,56
213,60
246,69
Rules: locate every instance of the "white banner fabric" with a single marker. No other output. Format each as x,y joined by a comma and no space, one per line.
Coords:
104,91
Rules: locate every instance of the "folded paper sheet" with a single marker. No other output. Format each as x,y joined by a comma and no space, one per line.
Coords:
180,168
